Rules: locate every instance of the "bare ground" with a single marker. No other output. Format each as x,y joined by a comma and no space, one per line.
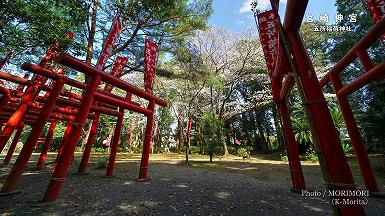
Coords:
229,186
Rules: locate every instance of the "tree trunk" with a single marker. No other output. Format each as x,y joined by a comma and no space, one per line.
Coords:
200,140
223,140
179,137
228,139
5,59
154,136
261,133
278,128
188,132
268,139
91,38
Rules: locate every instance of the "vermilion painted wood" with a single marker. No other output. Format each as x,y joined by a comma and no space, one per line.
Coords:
296,172
46,145
30,94
6,95
26,152
115,143
90,141
64,140
336,165
64,161
371,74
143,174
12,147
83,67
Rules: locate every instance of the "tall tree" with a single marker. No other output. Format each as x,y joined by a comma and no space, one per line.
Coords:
225,61
163,21
28,27
92,31
367,103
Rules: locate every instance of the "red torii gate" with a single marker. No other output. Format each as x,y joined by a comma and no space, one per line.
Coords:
85,105
287,53
107,103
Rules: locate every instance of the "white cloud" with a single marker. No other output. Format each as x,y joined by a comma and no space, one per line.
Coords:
262,5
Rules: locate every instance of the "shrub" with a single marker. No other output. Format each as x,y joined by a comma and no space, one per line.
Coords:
173,149
284,158
134,149
311,155
98,149
346,147
103,162
233,150
194,150
244,151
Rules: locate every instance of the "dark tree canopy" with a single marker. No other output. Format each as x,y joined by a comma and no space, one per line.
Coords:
165,22
27,26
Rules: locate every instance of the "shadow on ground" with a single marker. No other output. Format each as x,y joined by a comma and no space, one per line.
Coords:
254,187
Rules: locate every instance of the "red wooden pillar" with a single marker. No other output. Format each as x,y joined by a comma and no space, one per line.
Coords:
90,141
355,137
18,115
30,94
143,173
47,143
115,141
336,169
6,96
12,147
64,162
63,141
292,149
21,161
20,88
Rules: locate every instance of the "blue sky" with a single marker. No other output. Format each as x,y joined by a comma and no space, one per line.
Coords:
236,15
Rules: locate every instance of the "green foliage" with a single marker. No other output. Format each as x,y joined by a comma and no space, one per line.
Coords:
233,150
244,151
311,155
302,130
211,125
28,27
134,149
168,22
337,118
346,147
373,118
284,157
99,149
214,81
102,162
316,43
194,150
344,41
368,104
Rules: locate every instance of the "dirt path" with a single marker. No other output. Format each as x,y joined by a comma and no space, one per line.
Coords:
227,187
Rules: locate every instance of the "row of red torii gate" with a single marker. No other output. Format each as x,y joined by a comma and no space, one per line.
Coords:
24,105
288,63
